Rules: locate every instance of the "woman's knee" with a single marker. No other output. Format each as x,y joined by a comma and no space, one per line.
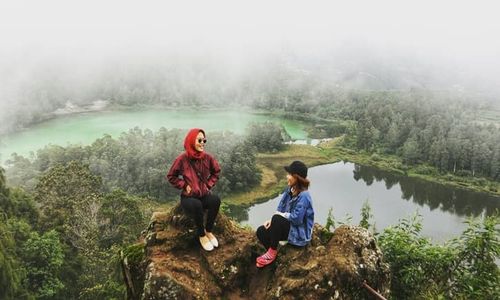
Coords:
213,200
216,199
192,205
260,230
279,219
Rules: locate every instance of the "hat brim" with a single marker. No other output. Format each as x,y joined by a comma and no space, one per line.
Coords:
287,168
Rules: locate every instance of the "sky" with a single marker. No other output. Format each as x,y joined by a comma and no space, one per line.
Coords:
471,26
459,32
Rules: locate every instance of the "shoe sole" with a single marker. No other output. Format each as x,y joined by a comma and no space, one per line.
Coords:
209,249
259,265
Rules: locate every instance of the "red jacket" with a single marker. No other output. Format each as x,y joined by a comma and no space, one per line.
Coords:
184,172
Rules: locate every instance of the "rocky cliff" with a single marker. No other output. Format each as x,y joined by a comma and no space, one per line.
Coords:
168,263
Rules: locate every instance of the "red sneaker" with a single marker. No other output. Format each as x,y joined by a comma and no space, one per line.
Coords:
266,258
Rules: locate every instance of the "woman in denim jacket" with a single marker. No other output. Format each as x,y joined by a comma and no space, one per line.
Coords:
294,219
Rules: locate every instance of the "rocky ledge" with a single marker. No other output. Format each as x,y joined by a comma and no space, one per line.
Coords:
168,263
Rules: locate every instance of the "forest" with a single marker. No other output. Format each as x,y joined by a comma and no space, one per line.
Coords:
74,209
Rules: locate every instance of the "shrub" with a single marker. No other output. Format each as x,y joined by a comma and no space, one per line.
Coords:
425,170
462,269
266,136
463,173
476,274
416,265
366,215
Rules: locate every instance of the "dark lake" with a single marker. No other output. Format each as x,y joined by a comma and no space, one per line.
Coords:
344,187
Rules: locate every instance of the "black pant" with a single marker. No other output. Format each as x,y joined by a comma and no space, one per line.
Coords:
195,206
278,231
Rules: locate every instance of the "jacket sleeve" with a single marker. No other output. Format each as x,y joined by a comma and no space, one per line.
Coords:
174,172
214,173
296,216
281,205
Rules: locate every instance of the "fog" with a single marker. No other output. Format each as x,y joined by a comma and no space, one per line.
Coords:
444,45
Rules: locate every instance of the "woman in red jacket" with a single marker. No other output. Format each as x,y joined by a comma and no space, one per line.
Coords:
195,172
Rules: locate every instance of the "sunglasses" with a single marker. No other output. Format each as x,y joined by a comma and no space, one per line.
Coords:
204,141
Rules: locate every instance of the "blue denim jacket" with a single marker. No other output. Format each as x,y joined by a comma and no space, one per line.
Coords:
299,211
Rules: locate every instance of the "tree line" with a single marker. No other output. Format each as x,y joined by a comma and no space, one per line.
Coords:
421,128
138,160
284,82
439,128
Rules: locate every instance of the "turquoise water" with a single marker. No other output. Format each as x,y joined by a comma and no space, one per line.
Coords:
86,127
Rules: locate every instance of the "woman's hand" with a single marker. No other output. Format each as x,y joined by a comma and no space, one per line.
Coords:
188,189
267,224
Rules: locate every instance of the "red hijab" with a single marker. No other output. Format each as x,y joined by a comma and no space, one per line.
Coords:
189,143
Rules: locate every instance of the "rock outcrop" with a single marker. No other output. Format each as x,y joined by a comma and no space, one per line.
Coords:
172,265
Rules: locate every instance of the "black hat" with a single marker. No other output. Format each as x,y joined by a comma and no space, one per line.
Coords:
297,167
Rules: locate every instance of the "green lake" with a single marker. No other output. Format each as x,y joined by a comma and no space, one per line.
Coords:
84,128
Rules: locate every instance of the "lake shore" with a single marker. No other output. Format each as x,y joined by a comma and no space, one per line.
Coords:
394,164
273,175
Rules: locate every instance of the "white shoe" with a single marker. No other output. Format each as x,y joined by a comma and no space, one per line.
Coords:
206,244
212,239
